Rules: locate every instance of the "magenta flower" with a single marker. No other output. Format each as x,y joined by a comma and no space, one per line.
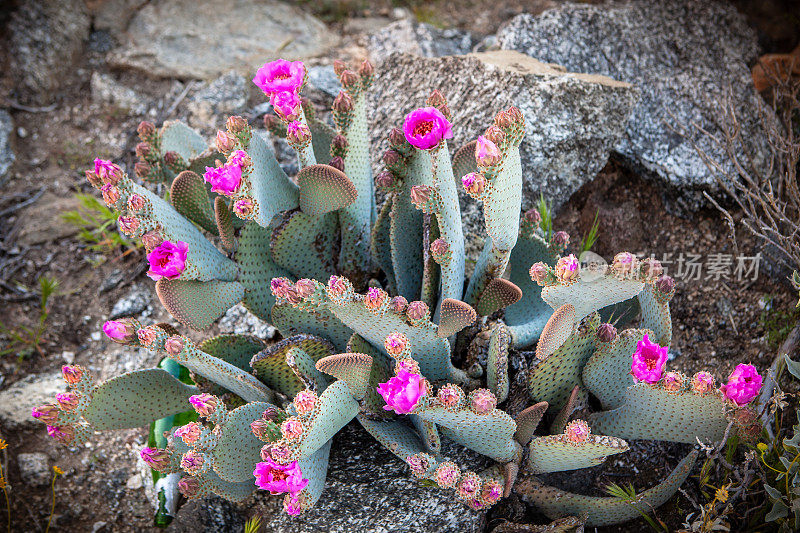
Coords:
168,260
286,104
203,403
107,171
118,331
190,433
743,385
648,361
568,268
426,127
225,179
72,374
63,434
158,459
47,413
402,392
280,75
487,153
278,478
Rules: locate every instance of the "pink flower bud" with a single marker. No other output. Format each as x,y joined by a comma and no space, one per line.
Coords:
336,286
446,475
491,492
293,503
157,459
487,154
152,239
339,67
366,70
343,103
280,453
651,268
146,336
534,217
339,143
94,179
665,284
407,364
305,401
743,385
142,169
107,171
673,381
702,382
420,194
396,138
349,79
470,486
173,345
503,121
142,150
136,202
120,331
419,463
236,124
47,414
450,396
606,332
280,287
374,298
68,401
417,310
298,133
171,157
398,304
225,141
110,194
567,268
482,401
474,183
495,135
145,129
577,431
263,429
625,263
128,225
385,179
561,238
337,163
189,433
305,288
436,99
205,404
63,434
538,272
72,374
292,428
395,343
243,207
192,461
189,486
439,250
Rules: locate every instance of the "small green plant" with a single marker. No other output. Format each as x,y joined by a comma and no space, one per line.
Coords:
777,322
628,494
98,226
796,285
56,472
588,240
253,525
543,206
26,340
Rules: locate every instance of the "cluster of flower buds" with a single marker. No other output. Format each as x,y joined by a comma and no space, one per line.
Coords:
62,416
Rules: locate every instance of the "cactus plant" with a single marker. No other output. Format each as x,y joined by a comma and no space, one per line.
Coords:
372,307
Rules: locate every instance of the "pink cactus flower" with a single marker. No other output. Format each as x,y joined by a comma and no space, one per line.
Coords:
287,104
482,401
156,458
293,504
240,159
280,287
625,263
47,414
192,461
374,298
577,431
225,179
63,434
447,474
305,401
243,207
702,382
190,433
426,127
278,478
450,396
205,404
189,486
146,336
395,343
648,361
487,153
68,401
107,171
673,381
402,392
292,428
743,385
474,183
72,374
568,268
168,260
128,225
118,331
280,75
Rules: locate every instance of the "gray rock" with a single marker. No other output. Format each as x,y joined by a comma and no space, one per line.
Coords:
34,468
240,321
116,359
210,515
418,38
210,106
206,38
6,153
369,489
323,77
137,301
45,40
572,121
113,15
106,89
683,55
17,401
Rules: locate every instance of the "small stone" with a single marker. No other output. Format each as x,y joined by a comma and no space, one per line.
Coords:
136,302
134,482
324,79
212,104
98,526
240,321
112,280
17,401
68,357
34,469
106,89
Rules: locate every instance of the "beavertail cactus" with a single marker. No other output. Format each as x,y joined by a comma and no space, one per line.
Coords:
372,307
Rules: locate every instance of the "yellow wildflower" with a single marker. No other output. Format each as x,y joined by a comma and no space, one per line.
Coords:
58,470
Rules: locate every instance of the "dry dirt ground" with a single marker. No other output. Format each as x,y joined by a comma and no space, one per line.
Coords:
718,322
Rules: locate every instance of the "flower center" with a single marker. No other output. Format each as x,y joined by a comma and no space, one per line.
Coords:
423,128
650,361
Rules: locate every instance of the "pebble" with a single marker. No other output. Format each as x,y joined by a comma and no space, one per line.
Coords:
34,469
